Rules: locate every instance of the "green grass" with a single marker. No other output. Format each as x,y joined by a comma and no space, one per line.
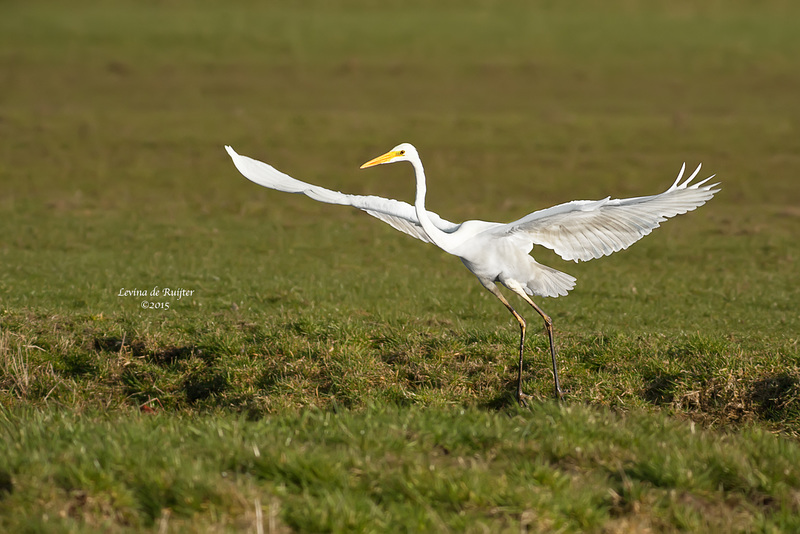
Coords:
113,116
402,469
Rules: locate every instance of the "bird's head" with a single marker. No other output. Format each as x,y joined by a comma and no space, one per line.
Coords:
402,152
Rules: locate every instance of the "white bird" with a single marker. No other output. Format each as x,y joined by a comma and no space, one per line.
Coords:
580,230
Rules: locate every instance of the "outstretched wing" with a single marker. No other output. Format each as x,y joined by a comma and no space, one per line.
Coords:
400,215
588,229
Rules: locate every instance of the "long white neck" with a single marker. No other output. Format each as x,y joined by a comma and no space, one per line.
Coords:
441,239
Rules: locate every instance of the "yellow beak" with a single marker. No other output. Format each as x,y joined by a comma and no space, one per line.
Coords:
385,158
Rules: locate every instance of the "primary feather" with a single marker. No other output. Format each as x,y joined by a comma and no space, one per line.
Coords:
399,215
582,230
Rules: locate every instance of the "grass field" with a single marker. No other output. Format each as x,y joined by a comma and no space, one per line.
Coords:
322,372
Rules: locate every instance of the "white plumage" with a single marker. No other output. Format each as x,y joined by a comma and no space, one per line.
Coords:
580,230
398,214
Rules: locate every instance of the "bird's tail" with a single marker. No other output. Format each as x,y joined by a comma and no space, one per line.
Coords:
545,281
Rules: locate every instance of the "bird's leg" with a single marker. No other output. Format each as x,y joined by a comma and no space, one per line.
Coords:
521,397
548,325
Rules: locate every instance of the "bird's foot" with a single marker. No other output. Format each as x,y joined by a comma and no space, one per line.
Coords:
522,399
561,393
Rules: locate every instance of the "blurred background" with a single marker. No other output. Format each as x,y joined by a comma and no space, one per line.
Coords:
113,117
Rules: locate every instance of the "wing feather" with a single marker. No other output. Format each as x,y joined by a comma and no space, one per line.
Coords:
582,230
399,215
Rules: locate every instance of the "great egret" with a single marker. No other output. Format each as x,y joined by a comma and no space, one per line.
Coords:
580,230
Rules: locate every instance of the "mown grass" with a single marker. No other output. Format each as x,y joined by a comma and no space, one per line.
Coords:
113,116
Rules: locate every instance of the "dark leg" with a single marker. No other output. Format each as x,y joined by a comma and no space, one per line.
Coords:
548,325
521,397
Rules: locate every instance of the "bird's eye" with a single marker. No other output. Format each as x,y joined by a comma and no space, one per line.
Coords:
402,152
